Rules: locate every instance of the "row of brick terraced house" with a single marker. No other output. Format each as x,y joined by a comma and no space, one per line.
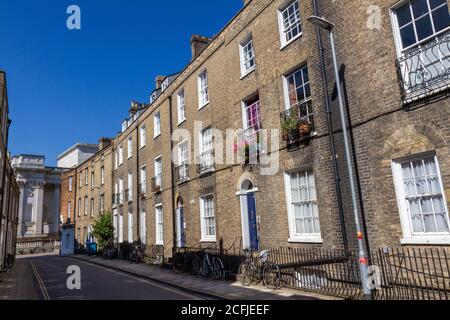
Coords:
270,69
9,189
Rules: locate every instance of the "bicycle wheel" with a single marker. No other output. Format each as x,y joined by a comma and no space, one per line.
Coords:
194,265
204,268
246,274
218,268
271,276
178,263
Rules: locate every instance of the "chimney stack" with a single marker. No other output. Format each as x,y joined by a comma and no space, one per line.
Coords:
158,82
198,43
103,143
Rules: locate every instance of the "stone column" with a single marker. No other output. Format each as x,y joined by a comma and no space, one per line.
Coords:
39,205
22,198
56,210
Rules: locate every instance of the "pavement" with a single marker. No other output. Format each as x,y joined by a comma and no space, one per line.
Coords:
19,283
224,289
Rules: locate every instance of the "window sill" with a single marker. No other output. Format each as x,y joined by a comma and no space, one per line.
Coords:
287,44
209,240
203,106
159,243
427,240
309,239
244,75
181,122
156,136
142,147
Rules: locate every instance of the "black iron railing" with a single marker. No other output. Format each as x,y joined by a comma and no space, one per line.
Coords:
424,72
182,173
205,163
129,195
396,273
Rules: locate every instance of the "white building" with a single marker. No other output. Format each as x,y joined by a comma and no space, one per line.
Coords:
39,197
76,155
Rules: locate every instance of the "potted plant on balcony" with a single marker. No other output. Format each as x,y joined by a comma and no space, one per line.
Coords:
290,126
304,127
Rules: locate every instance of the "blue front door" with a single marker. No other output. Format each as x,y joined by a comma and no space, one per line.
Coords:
252,221
182,232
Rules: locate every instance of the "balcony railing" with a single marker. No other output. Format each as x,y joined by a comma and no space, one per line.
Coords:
425,72
157,183
206,162
117,199
297,124
182,173
143,189
249,146
129,195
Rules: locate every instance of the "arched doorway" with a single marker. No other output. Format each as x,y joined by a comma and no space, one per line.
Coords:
181,234
249,217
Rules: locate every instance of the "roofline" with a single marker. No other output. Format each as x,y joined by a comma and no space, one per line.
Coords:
79,144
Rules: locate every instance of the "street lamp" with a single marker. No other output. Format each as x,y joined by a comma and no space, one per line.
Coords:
363,261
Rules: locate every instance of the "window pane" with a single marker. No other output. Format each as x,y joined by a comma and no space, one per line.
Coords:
442,223
403,15
436,3
423,27
419,7
441,18
407,35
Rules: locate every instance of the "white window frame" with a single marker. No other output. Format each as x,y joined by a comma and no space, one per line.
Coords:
102,203
181,106
92,180
121,197
120,228
92,207
86,205
102,175
120,155
143,136
157,125
130,227
79,207
130,186
157,165
143,179
116,159
295,237
409,237
204,236
70,183
203,89
248,41
143,226
129,147
159,225
287,4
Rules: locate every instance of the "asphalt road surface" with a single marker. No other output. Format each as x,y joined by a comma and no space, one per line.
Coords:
98,283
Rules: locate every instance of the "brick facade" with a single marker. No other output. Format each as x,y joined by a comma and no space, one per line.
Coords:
383,131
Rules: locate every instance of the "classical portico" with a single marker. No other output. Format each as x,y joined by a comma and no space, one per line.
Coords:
39,197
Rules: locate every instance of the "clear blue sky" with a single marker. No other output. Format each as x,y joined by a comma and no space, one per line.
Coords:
76,86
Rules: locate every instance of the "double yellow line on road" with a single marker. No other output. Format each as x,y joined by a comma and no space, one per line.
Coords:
40,282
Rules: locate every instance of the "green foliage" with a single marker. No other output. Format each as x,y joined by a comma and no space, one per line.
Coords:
104,230
290,121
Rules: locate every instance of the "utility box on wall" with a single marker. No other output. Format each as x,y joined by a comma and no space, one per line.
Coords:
67,240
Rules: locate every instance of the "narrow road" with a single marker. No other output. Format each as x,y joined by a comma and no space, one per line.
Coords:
98,283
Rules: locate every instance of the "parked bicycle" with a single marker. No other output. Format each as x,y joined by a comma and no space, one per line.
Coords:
262,270
136,253
212,265
186,262
109,252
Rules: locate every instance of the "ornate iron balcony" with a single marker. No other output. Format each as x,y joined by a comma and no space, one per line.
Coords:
143,189
156,183
424,72
206,162
182,173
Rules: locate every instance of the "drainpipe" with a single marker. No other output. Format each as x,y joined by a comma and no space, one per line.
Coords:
172,177
138,181
75,200
337,178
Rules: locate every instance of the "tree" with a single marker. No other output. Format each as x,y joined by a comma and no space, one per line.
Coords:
104,230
